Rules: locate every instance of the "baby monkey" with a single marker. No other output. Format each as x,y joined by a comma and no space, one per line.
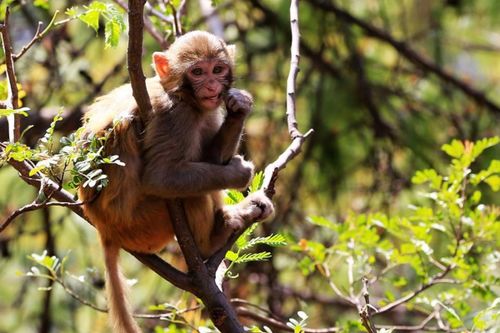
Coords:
186,149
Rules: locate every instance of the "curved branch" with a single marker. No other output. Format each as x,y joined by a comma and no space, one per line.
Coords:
298,139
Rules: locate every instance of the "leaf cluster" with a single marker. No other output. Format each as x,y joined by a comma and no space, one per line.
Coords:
444,252
114,24
74,160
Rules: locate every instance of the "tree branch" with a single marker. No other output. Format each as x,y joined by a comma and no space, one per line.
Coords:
134,54
12,101
298,139
39,34
247,313
34,206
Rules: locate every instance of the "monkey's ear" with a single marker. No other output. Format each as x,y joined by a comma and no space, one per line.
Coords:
160,63
231,50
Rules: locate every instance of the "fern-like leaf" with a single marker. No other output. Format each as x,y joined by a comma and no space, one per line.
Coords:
248,257
272,240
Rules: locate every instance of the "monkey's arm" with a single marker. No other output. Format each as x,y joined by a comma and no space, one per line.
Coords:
195,178
225,143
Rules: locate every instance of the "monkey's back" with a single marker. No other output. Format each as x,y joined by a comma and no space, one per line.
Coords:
120,211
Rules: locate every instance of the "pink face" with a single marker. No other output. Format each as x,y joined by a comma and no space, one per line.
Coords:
209,79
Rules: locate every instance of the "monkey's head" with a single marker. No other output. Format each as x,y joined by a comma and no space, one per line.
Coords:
200,63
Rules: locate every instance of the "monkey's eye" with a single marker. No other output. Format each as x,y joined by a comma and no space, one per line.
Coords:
197,71
218,69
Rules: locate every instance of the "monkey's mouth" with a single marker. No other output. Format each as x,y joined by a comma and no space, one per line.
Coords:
213,98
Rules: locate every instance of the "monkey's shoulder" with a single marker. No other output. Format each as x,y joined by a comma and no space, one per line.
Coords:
119,106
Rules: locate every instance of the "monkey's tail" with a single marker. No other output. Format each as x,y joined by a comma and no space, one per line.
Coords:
120,315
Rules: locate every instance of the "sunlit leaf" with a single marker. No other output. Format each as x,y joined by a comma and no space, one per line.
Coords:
454,149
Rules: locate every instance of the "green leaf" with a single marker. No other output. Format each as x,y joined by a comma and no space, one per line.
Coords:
231,256
455,149
91,18
112,33
260,256
72,12
8,112
18,152
428,175
257,181
494,182
322,222
481,145
97,6
233,197
41,3
272,240
243,239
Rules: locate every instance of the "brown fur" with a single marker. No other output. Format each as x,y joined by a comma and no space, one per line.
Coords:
178,155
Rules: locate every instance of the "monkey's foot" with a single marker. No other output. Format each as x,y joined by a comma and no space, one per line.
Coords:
258,207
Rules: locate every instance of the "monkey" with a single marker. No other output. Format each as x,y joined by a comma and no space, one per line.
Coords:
186,149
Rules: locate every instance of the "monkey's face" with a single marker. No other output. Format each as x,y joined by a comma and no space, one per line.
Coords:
209,80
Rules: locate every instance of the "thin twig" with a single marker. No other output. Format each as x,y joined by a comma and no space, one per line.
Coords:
176,23
419,327
336,289
12,101
39,34
365,312
152,11
148,25
294,71
34,206
438,279
244,312
272,170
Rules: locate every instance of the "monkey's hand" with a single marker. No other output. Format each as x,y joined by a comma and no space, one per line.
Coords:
260,206
256,207
239,172
238,103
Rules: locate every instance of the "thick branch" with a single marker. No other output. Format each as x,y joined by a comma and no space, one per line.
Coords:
411,55
221,312
134,52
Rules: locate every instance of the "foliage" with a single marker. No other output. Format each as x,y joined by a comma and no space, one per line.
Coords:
81,156
91,14
442,256
53,269
240,253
